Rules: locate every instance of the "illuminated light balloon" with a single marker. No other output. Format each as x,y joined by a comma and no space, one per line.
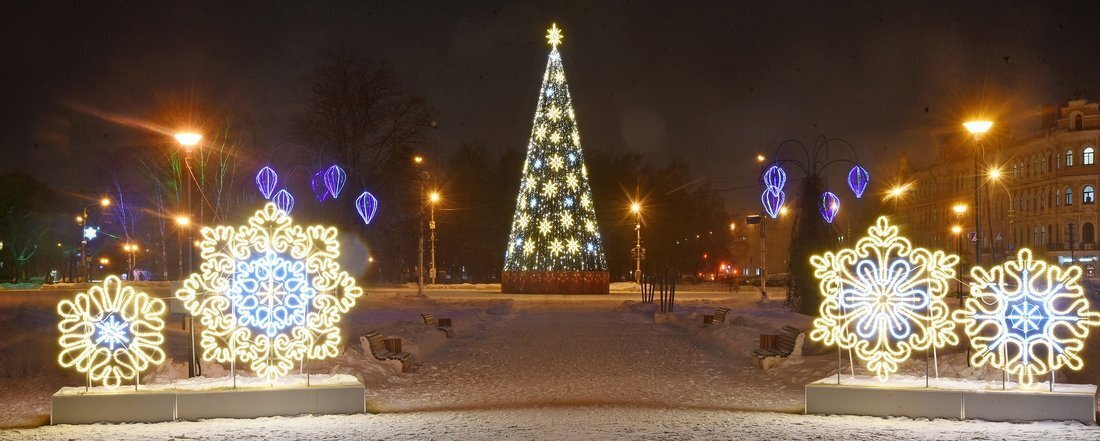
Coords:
111,332
884,299
775,178
367,206
858,179
284,200
829,206
271,293
334,180
1027,317
320,191
266,180
773,202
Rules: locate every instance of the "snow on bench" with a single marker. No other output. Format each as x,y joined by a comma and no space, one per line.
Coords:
444,324
789,340
378,348
719,317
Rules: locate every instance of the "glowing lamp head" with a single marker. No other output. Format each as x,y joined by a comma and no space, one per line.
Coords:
956,230
760,158
104,261
433,197
994,173
183,221
105,202
418,159
978,128
959,208
635,207
188,139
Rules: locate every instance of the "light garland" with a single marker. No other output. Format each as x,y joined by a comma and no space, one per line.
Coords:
111,332
884,299
270,293
1027,317
554,181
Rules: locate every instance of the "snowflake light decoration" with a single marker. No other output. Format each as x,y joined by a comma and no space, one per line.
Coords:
1027,317
270,293
884,299
111,332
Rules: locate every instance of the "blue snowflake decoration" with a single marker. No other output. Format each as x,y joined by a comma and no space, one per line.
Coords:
112,333
271,293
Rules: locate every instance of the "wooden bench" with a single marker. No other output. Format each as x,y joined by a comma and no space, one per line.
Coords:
719,317
784,344
444,324
378,349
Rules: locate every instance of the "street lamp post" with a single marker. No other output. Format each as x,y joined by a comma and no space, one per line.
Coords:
636,209
757,219
189,140
433,198
978,130
83,218
130,249
418,160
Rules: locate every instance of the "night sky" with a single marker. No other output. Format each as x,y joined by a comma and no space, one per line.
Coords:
86,82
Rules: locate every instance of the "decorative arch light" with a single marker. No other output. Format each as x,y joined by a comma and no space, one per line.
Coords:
1027,317
829,206
266,180
367,206
284,200
884,299
270,293
858,179
334,180
111,332
320,191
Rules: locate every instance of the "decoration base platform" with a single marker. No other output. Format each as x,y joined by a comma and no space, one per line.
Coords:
201,398
951,398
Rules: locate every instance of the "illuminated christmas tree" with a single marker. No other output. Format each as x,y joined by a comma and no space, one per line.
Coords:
555,244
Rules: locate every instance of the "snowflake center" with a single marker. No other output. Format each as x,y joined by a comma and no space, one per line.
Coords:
112,332
271,293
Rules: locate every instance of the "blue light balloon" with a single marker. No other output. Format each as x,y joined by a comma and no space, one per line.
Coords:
829,207
334,180
775,178
284,200
320,191
367,206
773,202
266,180
858,179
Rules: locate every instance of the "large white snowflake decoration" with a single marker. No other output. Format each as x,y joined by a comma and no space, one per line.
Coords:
1027,317
111,332
884,299
269,293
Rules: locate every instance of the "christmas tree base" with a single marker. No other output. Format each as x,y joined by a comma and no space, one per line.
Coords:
555,282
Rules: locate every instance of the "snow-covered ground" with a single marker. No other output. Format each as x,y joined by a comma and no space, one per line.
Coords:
525,367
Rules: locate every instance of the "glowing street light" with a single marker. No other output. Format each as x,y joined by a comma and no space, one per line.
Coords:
959,209
994,173
105,202
183,221
418,159
978,129
956,229
760,158
188,139
433,198
636,209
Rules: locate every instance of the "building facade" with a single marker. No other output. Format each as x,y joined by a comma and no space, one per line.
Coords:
1038,191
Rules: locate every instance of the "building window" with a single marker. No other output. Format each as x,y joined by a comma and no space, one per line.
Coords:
1087,156
1069,196
1069,157
1078,122
1043,164
1088,233
1087,195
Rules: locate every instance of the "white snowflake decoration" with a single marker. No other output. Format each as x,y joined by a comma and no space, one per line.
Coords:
1027,317
269,293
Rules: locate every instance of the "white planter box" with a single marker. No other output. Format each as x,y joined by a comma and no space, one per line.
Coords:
116,406
951,398
276,401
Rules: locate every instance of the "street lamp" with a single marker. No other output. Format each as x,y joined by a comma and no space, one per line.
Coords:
636,209
189,140
85,236
977,130
433,198
760,158
130,249
418,161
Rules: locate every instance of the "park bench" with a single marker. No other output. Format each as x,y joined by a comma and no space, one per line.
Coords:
783,346
386,348
443,324
719,317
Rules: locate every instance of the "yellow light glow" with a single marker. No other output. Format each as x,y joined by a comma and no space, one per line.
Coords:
433,197
104,202
959,208
111,332
104,261
884,299
79,219
188,139
994,173
264,327
554,35
898,190
955,229
978,128
760,158
733,226
183,221
635,207
1027,317
418,159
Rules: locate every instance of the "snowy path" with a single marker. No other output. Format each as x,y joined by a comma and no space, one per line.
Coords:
578,354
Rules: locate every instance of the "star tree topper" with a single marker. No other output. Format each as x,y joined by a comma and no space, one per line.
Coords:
884,299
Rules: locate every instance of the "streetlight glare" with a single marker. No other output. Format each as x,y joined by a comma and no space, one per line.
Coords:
635,207
760,158
979,127
994,173
183,221
105,202
733,226
418,159
956,229
434,197
959,208
783,210
188,139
